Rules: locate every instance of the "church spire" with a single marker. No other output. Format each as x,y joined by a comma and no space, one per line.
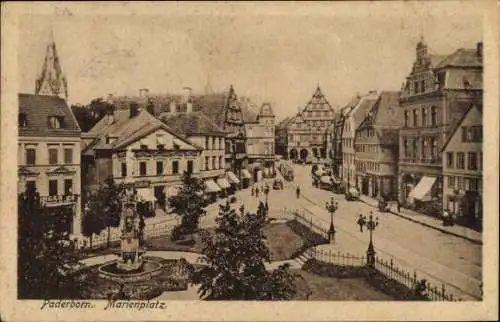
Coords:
51,80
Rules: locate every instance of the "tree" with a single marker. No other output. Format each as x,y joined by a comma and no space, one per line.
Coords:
92,221
235,258
88,116
105,208
45,255
188,203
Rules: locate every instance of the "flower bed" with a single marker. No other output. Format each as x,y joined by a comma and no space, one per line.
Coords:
309,237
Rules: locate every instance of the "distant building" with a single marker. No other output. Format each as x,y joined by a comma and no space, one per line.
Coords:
463,168
51,80
376,145
307,131
281,137
138,150
49,154
436,94
352,119
259,131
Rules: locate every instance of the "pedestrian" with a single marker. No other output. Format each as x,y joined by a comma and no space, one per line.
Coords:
446,217
252,190
361,222
398,205
298,192
257,191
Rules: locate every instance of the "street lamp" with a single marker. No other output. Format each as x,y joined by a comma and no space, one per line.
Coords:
370,254
331,206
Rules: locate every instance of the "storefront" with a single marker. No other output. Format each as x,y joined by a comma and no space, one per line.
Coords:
64,207
233,180
224,186
246,176
212,190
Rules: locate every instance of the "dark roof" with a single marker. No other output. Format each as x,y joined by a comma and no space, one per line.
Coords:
462,58
213,106
192,124
459,121
359,113
38,108
249,110
126,129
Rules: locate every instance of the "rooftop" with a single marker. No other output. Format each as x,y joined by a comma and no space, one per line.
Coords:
191,124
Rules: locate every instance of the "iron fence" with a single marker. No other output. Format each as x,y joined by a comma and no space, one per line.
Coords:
336,258
301,216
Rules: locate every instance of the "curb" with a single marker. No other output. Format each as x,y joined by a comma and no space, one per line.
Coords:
475,241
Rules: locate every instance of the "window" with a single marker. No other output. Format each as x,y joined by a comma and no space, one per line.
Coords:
160,147
175,167
176,146
449,159
55,122
414,149
472,162
221,146
460,160
451,182
23,120
190,166
464,134
159,167
481,160
424,148
206,163
220,163
30,156
433,116
417,87
144,147
213,163
405,148
473,184
460,183
422,86
68,156
124,169
214,146
142,168
434,152
441,79
424,116
68,187
52,187
52,156
415,118
30,185
406,118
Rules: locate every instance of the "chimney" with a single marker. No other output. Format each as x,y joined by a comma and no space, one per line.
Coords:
186,94
143,92
133,109
479,49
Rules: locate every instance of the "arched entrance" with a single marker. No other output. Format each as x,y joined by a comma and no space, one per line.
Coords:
293,154
303,154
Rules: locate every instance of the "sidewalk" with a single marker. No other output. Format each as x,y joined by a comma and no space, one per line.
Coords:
431,222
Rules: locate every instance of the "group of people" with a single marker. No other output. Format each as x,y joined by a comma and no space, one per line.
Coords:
255,189
448,218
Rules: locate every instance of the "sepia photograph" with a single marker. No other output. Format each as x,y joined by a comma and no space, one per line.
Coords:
249,152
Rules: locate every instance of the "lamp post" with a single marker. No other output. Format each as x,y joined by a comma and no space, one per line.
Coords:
370,253
331,206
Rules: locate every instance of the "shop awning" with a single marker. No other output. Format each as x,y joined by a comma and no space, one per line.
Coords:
145,195
246,174
423,189
211,186
232,177
172,191
325,179
221,182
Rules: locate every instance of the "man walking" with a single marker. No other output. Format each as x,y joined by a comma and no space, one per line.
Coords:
297,191
398,205
252,191
361,222
257,191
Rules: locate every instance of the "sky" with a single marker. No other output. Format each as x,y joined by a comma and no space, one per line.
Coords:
275,58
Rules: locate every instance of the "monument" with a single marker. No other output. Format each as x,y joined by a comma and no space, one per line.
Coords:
130,248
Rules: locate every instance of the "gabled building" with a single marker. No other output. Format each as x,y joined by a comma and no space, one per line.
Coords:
376,145
307,131
138,150
436,94
463,168
49,154
352,119
281,137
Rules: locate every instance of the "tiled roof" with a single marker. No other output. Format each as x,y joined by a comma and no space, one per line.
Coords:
161,103
213,106
38,108
191,124
127,130
464,79
248,109
462,58
359,113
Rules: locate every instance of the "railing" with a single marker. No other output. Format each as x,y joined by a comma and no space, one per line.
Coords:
392,271
336,258
303,218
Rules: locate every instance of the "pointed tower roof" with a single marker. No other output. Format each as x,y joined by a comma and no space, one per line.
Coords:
51,80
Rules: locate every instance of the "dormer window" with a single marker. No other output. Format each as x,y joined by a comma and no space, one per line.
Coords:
23,120
160,147
176,146
55,122
144,147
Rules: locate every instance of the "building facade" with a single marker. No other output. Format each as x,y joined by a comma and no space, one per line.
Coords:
49,154
281,137
307,131
376,146
139,151
260,148
437,92
463,167
352,119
